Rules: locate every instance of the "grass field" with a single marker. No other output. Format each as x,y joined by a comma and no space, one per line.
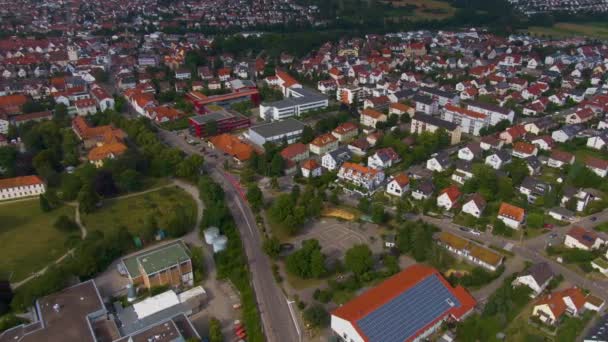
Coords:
425,9
29,240
592,30
131,212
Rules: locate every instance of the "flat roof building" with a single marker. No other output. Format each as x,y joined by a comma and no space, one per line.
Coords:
299,101
226,122
289,129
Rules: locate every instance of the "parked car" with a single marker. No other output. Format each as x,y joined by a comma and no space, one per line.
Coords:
475,232
593,218
464,229
548,226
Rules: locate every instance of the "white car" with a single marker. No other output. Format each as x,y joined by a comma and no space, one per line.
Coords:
475,232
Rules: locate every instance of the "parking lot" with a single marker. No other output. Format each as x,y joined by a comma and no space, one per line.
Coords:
335,237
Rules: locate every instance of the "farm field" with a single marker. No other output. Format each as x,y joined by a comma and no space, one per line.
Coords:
131,212
591,30
424,9
29,240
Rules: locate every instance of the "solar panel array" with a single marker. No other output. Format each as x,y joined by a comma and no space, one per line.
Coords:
402,317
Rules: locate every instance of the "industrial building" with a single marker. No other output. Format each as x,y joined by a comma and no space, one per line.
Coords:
288,130
409,306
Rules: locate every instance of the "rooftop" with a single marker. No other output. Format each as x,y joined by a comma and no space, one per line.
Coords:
268,130
157,258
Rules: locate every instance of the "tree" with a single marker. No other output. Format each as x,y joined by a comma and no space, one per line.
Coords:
255,197
518,170
535,220
308,135
272,247
44,204
215,330
8,158
87,199
65,224
358,259
364,205
277,165
378,214
308,261
190,167
274,183
129,180
317,316
70,186
104,184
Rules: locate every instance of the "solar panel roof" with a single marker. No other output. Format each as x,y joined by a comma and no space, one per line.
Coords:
400,318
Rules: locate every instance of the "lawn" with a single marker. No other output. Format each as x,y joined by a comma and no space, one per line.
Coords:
29,240
424,9
592,29
131,212
519,330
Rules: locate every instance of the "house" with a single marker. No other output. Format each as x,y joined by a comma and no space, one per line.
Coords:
524,150
551,308
361,176
398,185
85,106
370,117
400,109
323,144
402,298
542,125
470,121
490,142
580,197
512,134
534,188
423,190
233,146
581,238
425,104
599,141
559,159
474,205
383,158
536,277
561,214
534,165
463,171
295,152
310,169
426,123
165,113
20,187
566,133
498,159
470,251
544,142
448,197
439,163
470,151
345,132
511,215
104,100
183,74
165,265
580,116
598,166
334,159
111,150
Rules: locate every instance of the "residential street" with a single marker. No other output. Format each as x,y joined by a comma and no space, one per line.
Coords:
278,322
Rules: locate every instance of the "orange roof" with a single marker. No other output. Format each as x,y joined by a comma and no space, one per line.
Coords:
400,106
394,286
9,183
323,140
17,100
106,150
293,150
511,211
596,163
582,235
452,192
232,145
104,133
143,99
556,302
165,112
310,164
359,168
371,113
345,128
83,103
463,111
524,147
402,179
288,81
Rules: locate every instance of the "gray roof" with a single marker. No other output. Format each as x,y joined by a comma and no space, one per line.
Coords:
214,116
503,155
435,121
562,211
341,154
438,92
306,96
536,186
464,165
490,107
422,98
275,128
541,272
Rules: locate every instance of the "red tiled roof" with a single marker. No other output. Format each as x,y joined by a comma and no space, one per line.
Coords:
310,164
556,302
596,163
288,81
371,113
511,211
389,289
20,181
562,156
582,235
452,192
345,128
324,139
463,111
233,146
402,179
293,150
12,100
523,147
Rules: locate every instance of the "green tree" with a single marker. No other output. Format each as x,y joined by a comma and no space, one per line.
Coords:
70,186
272,247
65,224
308,135
87,199
317,316
215,330
518,170
277,165
129,180
535,220
45,206
190,167
359,259
378,214
308,261
8,160
255,197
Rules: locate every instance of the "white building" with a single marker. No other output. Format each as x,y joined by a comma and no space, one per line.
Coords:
362,176
496,113
536,277
19,187
474,206
398,185
289,130
583,239
511,215
470,121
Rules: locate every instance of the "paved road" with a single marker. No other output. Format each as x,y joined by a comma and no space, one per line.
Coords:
277,318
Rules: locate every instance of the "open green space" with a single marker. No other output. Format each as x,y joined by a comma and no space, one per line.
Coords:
422,9
562,30
132,212
29,240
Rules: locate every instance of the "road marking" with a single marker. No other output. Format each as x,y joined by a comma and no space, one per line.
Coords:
293,317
